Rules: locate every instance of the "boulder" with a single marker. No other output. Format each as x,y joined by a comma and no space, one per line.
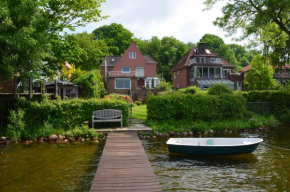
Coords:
60,137
205,133
154,137
190,133
230,131
211,131
171,133
2,138
53,137
185,134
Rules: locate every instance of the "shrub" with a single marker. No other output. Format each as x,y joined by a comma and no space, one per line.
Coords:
218,89
192,90
115,96
16,126
138,103
194,107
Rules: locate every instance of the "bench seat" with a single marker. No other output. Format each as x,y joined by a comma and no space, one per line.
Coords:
107,115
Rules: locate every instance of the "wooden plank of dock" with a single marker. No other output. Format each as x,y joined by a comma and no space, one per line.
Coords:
124,166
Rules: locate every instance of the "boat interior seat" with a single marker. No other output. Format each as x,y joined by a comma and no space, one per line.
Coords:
209,142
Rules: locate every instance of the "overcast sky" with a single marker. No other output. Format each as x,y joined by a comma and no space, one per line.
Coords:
182,19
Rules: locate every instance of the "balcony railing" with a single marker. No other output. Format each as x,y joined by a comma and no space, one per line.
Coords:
120,74
283,75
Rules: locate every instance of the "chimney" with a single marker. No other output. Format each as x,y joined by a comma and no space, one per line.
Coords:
201,48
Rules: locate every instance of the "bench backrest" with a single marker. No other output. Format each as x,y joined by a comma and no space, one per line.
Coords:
107,114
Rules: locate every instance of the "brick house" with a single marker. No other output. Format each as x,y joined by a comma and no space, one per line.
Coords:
203,68
129,72
281,74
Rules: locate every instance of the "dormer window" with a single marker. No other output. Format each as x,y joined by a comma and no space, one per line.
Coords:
126,69
132,55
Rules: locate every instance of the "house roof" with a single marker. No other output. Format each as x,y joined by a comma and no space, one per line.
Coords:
245,69
184,62
113,60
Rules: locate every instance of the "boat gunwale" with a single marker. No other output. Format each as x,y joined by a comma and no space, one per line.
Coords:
233,145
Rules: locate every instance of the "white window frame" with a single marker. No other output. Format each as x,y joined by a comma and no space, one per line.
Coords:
122,79
132,55
126,71
212,60
177,72
174,75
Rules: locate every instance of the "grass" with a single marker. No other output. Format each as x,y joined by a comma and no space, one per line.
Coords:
139,112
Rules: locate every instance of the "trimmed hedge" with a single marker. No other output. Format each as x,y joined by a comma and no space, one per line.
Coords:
279,101
67,114
195,107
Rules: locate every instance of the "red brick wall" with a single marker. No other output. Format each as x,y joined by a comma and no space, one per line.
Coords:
140,61
181,78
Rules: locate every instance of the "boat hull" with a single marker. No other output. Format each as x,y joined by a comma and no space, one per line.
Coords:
212,150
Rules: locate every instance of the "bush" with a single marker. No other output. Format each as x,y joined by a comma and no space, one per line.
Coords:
39,117
16,126
194,107
192,90
218,89
138,103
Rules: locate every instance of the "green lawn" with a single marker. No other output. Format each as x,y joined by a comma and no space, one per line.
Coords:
139,112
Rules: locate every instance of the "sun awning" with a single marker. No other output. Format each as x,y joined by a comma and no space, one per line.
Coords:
215,81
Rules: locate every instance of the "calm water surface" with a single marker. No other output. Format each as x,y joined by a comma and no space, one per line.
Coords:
48,167
71,167
266,169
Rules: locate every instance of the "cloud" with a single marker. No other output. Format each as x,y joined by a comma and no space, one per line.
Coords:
183,19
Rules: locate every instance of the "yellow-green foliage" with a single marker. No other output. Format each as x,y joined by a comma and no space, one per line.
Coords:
194,107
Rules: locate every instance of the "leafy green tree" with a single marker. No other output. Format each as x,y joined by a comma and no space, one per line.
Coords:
260,76
92,84
116,36
29,28
167,52
267,21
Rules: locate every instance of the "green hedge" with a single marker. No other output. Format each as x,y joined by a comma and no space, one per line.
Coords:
195,107
67,114
279,101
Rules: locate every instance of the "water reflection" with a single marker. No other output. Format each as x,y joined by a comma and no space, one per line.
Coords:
266,169
48,167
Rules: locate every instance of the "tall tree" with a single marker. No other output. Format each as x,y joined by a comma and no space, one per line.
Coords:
260,76
29,28
268,21
116,36
167,52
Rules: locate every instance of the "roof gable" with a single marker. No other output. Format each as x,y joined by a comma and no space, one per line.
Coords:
126,61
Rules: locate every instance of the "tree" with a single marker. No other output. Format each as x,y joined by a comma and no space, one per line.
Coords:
29,28
167,52
268,21
260,76
116,36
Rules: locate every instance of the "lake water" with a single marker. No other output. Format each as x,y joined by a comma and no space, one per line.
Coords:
266,169
71,167
48,167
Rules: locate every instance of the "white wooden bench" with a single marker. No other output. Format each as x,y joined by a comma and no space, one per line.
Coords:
107,115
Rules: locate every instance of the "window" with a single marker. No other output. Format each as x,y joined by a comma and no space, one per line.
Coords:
139,71
148,84
174,74
124,83
205,72
212,60
197,60
202,60
132,55
178,86
177,72
217,72
226,72
126,69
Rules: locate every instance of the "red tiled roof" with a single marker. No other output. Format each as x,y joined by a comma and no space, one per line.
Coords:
184,61
245,69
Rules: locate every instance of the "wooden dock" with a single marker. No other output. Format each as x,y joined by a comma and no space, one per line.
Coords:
124,166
